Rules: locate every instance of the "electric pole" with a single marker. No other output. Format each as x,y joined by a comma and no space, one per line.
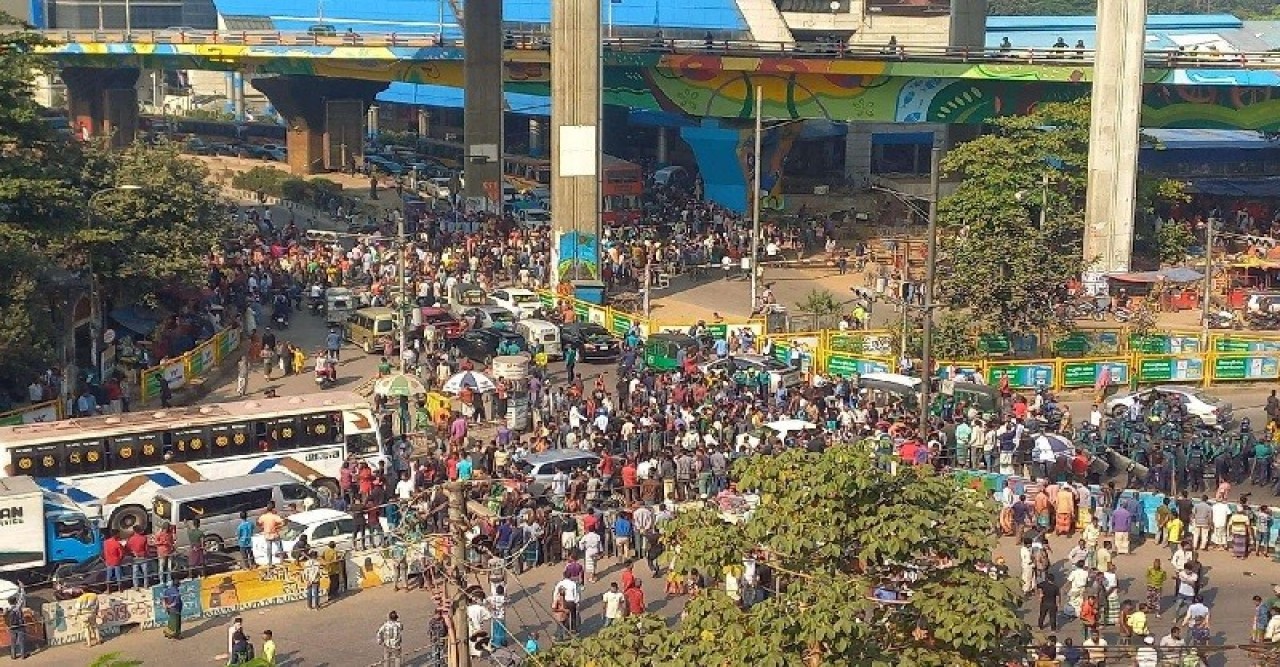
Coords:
461,653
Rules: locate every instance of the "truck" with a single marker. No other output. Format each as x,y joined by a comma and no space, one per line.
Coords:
41,529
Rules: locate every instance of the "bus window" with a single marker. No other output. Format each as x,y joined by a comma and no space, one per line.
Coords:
284,433
363,445
262,440
323,429
127,452
231,440
84,457
150,449
188,444
38,460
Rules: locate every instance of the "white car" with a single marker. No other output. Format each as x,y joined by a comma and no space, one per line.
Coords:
780,374
1201,407
533,218
321,527
437,187
522,302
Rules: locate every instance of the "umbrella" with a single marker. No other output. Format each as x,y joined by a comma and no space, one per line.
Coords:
784,427
399,385
1062,446
477,381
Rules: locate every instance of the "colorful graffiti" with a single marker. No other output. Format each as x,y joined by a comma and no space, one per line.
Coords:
726,159
721,86
577,256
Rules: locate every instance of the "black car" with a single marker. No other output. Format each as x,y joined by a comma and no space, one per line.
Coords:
483,344
592,340
71,581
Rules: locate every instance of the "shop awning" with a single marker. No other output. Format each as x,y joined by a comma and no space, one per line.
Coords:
1177,275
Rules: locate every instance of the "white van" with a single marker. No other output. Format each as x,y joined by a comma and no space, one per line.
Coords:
218,503
544,333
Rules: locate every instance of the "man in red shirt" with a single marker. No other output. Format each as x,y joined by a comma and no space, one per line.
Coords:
630,481
635,600
113,556
136,545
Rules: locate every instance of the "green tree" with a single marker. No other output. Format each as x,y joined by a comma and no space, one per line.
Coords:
834,526
157,236
1006,269
1172,241
819,302
38,200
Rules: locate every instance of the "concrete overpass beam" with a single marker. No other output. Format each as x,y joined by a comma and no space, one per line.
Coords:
103,102
1114,130
483,103
325,118
575,133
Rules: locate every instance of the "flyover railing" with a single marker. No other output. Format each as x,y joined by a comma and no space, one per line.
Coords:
541,41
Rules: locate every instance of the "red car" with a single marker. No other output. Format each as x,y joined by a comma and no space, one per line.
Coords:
444,322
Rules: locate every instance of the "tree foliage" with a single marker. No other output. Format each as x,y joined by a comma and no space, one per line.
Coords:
136,241
1007,270
834,526
1172,240
819,302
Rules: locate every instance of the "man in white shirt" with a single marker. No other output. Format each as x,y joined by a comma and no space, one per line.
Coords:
1221,512
572,595
404,487
612,605
1095,648
1095,416
1043,453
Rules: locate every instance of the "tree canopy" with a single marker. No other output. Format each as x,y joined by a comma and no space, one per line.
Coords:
136,241
833,526
1006,269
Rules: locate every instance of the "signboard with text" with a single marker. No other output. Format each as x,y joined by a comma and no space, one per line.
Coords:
1086,373
1170,369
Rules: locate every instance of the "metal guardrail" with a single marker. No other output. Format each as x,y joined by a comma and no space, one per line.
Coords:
540,41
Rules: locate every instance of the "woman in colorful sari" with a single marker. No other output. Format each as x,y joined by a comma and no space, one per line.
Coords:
1064,508
1042,509
1156,577
1239,525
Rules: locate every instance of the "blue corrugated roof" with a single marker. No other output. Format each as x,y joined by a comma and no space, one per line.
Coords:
445,96
1194,139
426,16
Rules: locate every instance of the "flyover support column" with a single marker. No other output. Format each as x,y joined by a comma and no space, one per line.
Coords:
483,104
237,95
103,103
536,141
1114,131
575,132
324,118
662,145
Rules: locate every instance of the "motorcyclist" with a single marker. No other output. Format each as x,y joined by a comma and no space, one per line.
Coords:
280,307
324,368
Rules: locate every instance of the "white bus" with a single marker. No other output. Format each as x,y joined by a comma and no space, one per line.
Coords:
115,464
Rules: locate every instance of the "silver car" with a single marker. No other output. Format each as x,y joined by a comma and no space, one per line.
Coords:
780,374
1201,407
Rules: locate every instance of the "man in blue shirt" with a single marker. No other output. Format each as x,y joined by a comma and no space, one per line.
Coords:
333,344
622,535
464,469
244,538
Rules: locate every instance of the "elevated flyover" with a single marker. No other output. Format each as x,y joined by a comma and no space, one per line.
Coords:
718,79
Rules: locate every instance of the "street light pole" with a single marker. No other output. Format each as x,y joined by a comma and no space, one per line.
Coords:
931,258
1208,282
95,300
404,296
755,200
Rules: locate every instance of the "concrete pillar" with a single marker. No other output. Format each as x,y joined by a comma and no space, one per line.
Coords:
103,102
424,122
535,137
857,152
1113,140
237,95
371,122
575,132
324,118
662,145
483,104
969,23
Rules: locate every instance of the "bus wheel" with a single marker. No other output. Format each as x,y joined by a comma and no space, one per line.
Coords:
327,489
128,518
213,544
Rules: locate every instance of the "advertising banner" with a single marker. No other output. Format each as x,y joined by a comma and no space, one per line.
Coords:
873,344
1231,344
1246,368
1085,373
1021,376
844,365
1170,369
200,360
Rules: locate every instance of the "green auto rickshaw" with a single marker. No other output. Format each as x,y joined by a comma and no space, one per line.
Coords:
661,350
